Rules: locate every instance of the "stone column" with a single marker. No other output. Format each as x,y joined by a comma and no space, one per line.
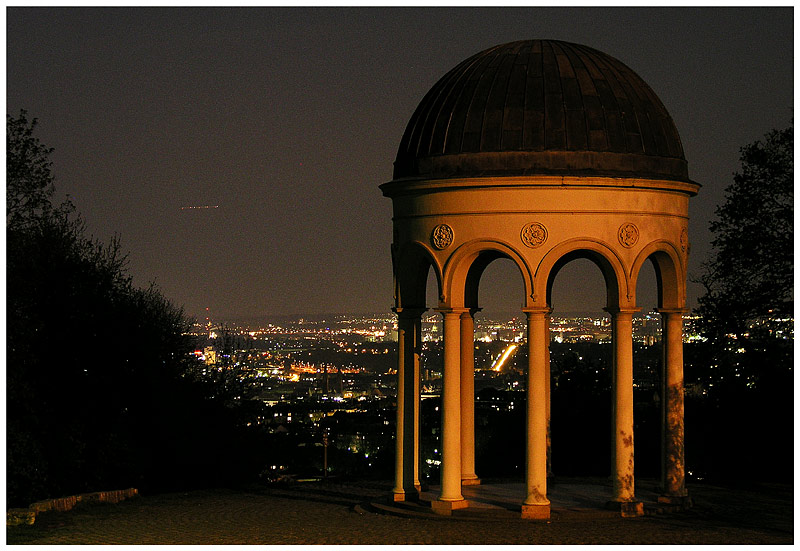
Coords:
417,353
450,497
468,476
405,459
673,477
622,475
536,504
547,393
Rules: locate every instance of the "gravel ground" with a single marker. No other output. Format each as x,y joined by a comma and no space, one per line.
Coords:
320,513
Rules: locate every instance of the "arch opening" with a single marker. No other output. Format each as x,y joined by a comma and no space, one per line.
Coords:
657,276
668,271
495,284
596,258
414,265
580,365
430,381
647,371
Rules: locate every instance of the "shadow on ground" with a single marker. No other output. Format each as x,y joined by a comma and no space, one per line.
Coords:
324,512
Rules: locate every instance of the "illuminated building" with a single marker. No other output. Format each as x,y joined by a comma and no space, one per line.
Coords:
541,152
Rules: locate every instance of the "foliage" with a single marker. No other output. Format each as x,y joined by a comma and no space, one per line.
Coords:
747,309
750,277
101,392
29,180
745,367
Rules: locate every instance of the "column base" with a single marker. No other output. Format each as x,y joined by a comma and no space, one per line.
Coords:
536,511
410,495
446,508
683,501
473,481
627,508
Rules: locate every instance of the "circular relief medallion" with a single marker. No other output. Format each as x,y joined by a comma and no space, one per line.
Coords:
628,235
442,236
533,234
684,240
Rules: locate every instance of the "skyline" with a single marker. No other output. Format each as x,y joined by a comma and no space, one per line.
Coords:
283,122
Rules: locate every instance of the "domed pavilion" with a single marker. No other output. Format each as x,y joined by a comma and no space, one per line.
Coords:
541,152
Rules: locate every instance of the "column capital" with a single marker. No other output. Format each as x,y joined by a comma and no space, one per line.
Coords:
617,310
453,311
471,312
409,312
673,310
533,310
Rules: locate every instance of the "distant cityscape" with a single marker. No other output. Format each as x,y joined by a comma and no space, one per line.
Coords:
576,327
345,357
330,380
336,374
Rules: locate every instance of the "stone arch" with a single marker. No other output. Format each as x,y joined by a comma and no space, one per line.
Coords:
670,273
412,263
603,256
464,268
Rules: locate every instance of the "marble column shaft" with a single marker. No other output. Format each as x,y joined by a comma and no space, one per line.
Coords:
622,338
406,458
673,439
451,407
468,397
538,370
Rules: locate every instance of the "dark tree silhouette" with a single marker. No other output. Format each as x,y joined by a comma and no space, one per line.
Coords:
742,428
750,276
29,180
102,392
747,309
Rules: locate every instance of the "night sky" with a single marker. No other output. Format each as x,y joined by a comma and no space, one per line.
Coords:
287,120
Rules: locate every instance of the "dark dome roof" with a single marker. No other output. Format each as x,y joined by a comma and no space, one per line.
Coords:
541,107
